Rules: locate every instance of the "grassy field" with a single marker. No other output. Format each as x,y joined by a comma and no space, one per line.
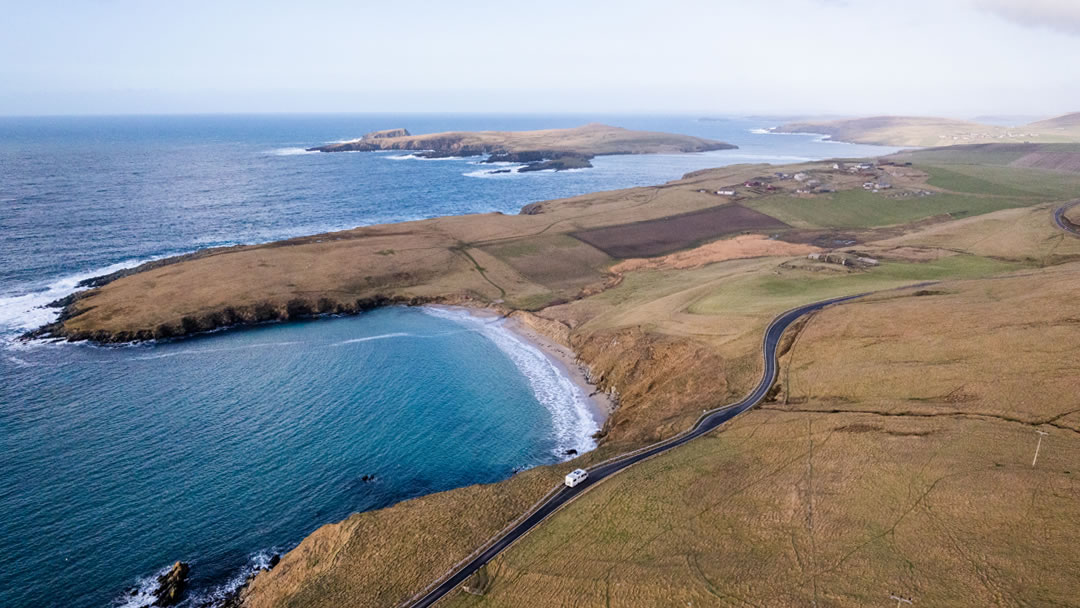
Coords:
796,285
897,459
525,261
1004,181
927,131
865,209
894,458
1026,234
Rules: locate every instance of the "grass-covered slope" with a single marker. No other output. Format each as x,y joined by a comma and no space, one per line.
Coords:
895,456
923,131
556,251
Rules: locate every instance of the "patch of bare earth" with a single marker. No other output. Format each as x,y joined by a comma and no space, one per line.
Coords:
664,235
743,246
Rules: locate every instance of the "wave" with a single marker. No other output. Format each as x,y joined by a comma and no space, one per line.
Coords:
573,425
396,334
291,151
23,312
217,596
818,137
418,157
203,351
19,362
770,158
500,172
141,595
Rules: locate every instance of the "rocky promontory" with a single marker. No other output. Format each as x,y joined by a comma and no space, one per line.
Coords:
549,149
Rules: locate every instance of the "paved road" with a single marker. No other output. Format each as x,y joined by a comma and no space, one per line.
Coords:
1064,224
706,423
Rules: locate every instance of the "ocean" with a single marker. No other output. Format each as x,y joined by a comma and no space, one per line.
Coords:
225,448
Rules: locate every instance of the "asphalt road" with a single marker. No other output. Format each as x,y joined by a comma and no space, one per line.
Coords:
1064,224
706,423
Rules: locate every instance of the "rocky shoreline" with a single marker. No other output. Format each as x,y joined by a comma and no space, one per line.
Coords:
537,150
228,318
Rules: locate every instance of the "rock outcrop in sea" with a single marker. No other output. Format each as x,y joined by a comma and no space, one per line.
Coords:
171,585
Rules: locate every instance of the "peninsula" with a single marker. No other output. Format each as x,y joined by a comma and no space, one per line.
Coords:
922,131
548,149
894,446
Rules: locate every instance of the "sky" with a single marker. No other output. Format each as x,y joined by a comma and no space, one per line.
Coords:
960,58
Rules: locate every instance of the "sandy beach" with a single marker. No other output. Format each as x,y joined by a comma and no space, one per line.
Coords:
601,404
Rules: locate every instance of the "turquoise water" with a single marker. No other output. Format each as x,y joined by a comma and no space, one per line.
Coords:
221,449
224,448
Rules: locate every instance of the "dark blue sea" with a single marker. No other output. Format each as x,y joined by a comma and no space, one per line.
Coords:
225,448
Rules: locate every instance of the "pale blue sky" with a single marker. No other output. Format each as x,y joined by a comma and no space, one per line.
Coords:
953,57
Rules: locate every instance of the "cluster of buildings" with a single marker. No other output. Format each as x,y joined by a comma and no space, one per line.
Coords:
844,259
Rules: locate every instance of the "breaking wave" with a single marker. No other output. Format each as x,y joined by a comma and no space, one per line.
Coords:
141,594
572,422
20,313
291,151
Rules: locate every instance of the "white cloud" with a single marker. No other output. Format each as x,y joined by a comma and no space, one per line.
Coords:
1060,15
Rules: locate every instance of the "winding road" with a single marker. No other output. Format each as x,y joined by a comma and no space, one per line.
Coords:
708,421
1063,222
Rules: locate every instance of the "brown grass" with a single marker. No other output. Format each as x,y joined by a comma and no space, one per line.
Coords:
589,140
902,490
851,490
931,131
743,246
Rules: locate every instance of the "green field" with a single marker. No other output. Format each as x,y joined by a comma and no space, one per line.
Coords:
797,286
864,209
1004,181
982,155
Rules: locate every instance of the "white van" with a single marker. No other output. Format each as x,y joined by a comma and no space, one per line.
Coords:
575,477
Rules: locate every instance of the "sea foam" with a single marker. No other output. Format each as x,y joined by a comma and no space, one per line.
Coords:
572,421
291,151
20,313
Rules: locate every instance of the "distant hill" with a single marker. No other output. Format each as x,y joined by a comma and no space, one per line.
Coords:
1066,122
1051,157
923,131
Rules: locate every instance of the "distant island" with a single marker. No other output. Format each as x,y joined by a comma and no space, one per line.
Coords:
923,131
548,149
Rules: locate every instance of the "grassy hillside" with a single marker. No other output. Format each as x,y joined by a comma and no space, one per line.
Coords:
559,251
923,131
896,455
897,458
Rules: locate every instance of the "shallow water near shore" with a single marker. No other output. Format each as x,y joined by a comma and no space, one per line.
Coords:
120,459
224,448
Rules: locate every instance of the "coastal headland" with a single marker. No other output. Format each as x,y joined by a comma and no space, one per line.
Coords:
663,293
548,149
925,131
